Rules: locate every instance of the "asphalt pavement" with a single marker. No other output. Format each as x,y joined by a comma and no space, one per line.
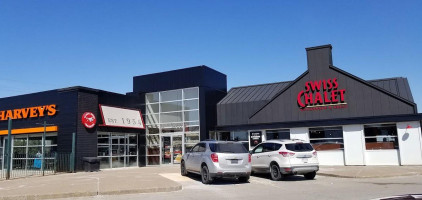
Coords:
166,181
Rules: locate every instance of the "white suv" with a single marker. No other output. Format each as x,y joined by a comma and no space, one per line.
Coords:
285,157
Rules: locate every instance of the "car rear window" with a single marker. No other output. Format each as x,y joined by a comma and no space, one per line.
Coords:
228,148
300,147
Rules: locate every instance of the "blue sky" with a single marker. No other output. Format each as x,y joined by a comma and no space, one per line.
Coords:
103,44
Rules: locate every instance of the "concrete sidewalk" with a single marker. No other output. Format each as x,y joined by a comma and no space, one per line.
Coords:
105,182
369,171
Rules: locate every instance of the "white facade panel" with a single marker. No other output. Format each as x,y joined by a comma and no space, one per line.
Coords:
382,157
334,157
299,133
354,145
409,136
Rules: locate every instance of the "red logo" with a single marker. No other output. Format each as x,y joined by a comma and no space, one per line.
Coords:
88,120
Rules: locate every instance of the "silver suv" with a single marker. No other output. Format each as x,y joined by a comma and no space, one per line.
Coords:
285,157
217,159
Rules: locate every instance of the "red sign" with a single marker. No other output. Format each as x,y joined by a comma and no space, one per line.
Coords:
89,120
321,95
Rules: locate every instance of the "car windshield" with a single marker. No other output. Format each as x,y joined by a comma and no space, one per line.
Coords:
228,148
300,147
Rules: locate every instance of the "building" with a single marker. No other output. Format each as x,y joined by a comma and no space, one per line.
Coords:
350,121
179,108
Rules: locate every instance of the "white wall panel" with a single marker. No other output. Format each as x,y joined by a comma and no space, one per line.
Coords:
382,157
409,136
299,133
331,157
354,145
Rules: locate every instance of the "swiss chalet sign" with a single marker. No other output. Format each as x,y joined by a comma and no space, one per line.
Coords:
321,95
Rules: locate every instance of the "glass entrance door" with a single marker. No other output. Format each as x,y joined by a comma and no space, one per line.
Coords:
171,149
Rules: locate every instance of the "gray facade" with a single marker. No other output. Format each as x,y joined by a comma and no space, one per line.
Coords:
278,102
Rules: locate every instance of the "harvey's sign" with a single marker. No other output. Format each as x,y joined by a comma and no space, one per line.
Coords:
31,112
321,95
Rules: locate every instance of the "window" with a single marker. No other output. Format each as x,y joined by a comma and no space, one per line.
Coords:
190,93
119,149
381,136
278,134
258,149
171,95
326,138
299,147
228,148
195,148
201,147
171,112
152,97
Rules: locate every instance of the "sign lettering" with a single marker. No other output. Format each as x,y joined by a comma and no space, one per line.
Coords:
31,112
321,95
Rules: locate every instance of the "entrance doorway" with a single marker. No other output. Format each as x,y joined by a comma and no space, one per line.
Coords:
171,152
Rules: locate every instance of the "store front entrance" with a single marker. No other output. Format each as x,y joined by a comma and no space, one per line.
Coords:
171,152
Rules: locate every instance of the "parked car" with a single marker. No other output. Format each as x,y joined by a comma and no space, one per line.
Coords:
217,159
285,157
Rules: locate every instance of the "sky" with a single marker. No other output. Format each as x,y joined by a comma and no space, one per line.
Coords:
102,44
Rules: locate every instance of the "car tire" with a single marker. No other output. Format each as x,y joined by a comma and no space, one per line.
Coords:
310,175
244,179
275,172
183,170
205,175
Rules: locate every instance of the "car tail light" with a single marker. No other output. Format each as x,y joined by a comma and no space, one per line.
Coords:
214,157
286,154
250,159
315,153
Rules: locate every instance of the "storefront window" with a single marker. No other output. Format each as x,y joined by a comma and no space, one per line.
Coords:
326,138
117,150
381,136
27,151
278,134
177,117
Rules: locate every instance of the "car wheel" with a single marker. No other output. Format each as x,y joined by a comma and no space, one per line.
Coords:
244,179
183,170
275,172
205,175
310,175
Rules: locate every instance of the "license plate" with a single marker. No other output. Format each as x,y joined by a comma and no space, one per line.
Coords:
305,160
233,161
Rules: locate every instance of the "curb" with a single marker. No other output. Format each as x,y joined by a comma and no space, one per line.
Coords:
90,194
380,176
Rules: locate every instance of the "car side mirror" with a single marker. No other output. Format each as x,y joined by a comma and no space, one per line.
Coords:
250,152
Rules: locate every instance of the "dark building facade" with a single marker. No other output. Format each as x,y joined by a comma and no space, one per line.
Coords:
183,114
350,121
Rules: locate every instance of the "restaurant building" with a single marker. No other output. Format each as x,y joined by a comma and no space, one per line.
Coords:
350,121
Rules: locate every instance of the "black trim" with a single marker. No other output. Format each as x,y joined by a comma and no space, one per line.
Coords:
330,122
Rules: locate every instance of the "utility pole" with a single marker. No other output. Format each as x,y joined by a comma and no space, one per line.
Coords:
9,149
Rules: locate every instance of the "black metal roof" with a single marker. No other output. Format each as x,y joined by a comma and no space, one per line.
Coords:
253,93
398,86
265,92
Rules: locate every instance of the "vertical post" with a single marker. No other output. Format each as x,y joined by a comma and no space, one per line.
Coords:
72,155
43,149
9,149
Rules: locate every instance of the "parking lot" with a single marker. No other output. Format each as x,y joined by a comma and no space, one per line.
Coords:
296,187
